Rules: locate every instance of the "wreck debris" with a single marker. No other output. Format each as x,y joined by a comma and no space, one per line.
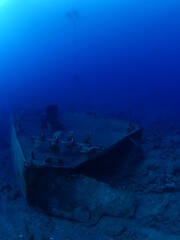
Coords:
70,139
88,149
55,141
88,139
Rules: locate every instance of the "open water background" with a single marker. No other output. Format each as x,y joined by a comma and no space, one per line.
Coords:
100,55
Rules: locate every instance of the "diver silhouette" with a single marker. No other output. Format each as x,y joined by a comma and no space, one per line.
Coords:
72,15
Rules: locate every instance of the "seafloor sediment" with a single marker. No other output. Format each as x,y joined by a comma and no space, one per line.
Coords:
155,180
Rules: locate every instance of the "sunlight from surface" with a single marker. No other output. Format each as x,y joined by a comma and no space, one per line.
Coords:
3,2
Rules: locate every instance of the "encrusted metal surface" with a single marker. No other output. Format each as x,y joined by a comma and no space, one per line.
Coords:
103,134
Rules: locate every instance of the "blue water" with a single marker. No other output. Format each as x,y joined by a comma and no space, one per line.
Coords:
115,57
124,54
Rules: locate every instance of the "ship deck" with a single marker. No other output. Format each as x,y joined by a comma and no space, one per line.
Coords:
104,134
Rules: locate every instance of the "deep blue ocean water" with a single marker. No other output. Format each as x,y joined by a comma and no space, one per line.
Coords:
115,57
99,54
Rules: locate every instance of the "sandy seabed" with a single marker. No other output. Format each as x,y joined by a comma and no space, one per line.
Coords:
155,182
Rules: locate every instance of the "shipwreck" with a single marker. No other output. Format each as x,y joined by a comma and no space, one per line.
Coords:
64,163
